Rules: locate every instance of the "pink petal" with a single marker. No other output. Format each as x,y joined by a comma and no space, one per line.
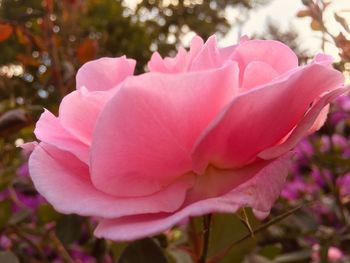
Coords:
279,56
196,46
217,182
304,127
260,118
208,57
259,192
320,120
28,148
79,111
48,129
156,64
144,136
323,59
180,63
226,52
64,181
257,73
104,73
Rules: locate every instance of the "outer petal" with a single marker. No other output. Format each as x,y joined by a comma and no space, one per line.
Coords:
79,111
260,192
64,181
279,56
49,130
304,126
259,119
104,73
144,136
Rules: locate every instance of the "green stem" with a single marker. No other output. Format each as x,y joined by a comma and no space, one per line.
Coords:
206,230
273,221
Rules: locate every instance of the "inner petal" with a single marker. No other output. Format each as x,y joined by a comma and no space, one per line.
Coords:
257,73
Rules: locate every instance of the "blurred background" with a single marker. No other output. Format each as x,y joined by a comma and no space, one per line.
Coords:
44,42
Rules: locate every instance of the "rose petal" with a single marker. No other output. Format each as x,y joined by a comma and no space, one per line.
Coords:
79,111
257,73
262,117
208,57
279,56
323,59
104,73
148,145
28,148
48,129
180,63
253,193
305,126
64,181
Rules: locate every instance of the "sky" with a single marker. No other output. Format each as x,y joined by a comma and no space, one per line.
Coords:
283,13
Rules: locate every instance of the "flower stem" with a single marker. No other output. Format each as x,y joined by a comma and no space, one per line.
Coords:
206,230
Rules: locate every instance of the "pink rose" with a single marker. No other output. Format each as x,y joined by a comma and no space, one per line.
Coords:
210,130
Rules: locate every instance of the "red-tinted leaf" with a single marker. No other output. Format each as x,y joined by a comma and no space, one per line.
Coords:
6,31
22,37
49,5
304,13
27,60
342,21
315,25
87,50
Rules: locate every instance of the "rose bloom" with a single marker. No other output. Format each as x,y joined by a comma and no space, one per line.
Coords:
210,130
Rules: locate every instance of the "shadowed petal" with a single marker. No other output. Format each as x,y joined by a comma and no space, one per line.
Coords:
253,193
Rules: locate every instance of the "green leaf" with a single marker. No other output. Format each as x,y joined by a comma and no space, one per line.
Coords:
5,208
46,213
116,249
271,251
19,216
225,229
143,251
179,256
253,258
8,257
294,257
68,229
248,237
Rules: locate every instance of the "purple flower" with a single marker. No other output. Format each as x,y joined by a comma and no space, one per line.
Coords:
23,170
344,187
